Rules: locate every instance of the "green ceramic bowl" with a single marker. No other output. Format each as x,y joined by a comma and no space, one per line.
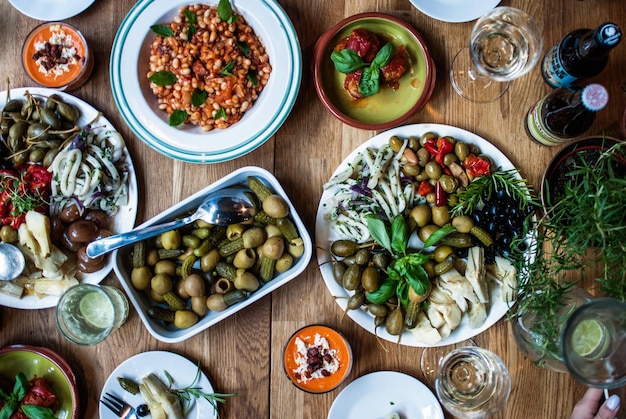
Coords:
47,364
387,108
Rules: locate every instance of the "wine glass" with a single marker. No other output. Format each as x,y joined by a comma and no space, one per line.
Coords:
593,343
472,382
429,360
505,44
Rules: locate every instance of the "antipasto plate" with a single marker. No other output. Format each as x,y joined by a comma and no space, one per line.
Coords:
182,371
123,220
325,235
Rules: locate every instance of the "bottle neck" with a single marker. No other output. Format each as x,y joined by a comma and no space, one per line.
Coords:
598,43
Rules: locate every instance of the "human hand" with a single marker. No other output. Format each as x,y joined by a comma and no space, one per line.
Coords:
589,406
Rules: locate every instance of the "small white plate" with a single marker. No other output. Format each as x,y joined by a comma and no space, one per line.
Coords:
138,105
379,393
182,370
454,11
51,10
325,235
124,220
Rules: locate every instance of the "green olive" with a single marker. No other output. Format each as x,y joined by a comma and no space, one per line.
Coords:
426,136
344,248
209,260
370,279
423,157
48,158
411,169
140,278
433,170
413,143
430,197
180,290
425,232
378,310
165,266
441,215
8,234
198,305
234,231
245,259
395,322
38,131
362,257
171,239
450,158
185,318
161,283
194,285
275,206
352,277
421,214
215,302
380,261
284,263
356,300
339,268
448,183
189,240
463,223
395,143
442,252
461,150
254,237
67,112
274,247
18,130
49,118
246,281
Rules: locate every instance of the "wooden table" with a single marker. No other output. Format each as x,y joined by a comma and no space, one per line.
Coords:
243,353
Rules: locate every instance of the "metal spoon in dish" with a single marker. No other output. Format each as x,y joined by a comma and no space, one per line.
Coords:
12,262
222,207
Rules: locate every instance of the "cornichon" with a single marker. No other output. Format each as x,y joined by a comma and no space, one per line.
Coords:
260,190
186,267
174,301
128,385
444,266
482,235
287,229
234,297
169,253
139,255
410,318
160,313
458,240
230,247
263,219
266,269
226,270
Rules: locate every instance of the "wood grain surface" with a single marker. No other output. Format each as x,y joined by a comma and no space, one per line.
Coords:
243,353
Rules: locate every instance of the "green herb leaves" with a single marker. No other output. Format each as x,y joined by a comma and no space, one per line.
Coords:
178,117
163,78
12,401
162,30
407,268
225,11
347,61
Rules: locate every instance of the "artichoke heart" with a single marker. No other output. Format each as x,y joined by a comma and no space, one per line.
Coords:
162,403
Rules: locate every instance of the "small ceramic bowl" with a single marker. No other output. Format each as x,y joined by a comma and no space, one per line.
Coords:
43,363
387,108
313,343
42,64
567,159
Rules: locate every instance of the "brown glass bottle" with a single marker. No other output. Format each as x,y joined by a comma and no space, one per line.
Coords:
565,114
581,54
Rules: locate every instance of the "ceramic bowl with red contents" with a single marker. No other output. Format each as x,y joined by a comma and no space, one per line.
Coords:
373,71
317,359
56,55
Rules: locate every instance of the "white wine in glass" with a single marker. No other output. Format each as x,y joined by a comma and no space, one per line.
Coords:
505,44
472,383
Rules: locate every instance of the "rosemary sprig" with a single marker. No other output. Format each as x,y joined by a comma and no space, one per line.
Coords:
482,189
186,394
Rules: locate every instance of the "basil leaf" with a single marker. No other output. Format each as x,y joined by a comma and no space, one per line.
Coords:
418,279
162,30
37,412
399,235
244,47
21,386
416,259
8,409
3,395
221,113
383,293
347,60
228,68
163,78
252,79
402,291
383,56
438,235
369,83
198,97
178,117
378,230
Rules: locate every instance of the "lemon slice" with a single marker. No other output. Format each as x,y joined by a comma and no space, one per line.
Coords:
589,338
97,309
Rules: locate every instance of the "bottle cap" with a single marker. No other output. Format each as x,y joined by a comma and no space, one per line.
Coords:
595,97
608,34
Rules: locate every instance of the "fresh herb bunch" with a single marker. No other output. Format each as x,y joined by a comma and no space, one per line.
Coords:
406,270
586,225
12,402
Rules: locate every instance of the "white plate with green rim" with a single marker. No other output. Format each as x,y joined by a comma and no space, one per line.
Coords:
454,11
138,105
48,10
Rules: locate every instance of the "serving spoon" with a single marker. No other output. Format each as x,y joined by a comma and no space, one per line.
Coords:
12,262
222,207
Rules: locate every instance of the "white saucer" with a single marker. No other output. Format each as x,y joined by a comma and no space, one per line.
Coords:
454,11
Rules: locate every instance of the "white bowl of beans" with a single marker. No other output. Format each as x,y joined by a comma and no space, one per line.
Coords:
204,87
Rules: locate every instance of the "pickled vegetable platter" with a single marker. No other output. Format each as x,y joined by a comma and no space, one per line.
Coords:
122,217
342,217
235,296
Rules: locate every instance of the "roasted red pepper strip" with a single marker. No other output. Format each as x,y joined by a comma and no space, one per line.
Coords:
441,197
476,166
431,146
425,188
443,147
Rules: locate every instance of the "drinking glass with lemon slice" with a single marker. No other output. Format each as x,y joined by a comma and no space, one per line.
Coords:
594,343
86,314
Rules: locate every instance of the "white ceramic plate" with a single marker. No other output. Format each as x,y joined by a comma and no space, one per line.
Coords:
124,220
138,105
379,393
178,367
171,334
50,10
454,11
325,235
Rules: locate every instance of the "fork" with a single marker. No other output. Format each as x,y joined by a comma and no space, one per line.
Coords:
119,406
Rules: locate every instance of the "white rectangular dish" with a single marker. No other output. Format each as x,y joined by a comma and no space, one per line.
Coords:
141,301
